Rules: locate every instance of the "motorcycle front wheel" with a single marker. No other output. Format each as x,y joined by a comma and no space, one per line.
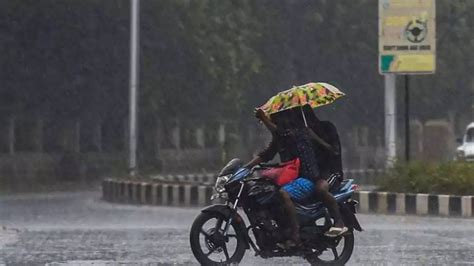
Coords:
210,246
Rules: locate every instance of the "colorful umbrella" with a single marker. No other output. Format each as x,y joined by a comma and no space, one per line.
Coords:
314,94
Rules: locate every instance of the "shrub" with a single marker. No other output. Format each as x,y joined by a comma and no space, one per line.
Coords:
455,178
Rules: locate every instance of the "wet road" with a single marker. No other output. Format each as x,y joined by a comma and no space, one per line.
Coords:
79,229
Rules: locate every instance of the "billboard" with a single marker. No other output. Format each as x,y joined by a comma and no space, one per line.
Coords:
407,36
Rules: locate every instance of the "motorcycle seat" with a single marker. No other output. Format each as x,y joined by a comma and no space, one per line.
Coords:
309,206
313,203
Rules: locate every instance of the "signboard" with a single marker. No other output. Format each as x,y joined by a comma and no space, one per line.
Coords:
407,36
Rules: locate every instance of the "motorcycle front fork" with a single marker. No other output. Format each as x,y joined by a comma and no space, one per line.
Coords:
234,208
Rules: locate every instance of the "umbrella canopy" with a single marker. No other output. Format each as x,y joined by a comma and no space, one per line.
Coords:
314,94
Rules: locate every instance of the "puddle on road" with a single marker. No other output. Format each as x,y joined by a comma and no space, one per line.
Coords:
7,236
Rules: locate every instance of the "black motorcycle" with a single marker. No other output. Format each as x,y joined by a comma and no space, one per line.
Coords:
219,235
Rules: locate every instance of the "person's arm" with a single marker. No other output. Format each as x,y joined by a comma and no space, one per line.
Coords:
266,155
253,162
321,142
260,114
333,136
336,148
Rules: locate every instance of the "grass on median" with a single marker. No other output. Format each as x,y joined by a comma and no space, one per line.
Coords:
454,178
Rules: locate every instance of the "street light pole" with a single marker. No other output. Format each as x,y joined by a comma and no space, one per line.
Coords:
390,120
407,119
134,40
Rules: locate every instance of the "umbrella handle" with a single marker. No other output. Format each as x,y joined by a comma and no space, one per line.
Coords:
304,116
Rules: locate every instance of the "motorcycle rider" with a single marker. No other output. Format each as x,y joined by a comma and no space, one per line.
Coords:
296,141
282,143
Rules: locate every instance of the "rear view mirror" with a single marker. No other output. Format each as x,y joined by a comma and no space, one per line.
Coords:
459,140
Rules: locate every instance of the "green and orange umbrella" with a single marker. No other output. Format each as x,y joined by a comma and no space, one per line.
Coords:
314,94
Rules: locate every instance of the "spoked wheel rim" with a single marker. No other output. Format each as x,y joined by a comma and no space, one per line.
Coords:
334,252
338,252
215,246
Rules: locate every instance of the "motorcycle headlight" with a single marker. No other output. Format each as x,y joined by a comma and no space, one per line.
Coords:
220,182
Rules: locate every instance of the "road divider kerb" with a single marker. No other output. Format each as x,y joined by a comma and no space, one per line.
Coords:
192,195
202,195
443,205
364,201
422,204
164,194
467,206
382,206
400,203
362,176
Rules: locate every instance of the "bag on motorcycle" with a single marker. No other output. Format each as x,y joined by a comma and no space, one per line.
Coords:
284,173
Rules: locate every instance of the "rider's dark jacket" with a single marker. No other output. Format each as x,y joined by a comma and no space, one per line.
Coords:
329,162
291,144
282,144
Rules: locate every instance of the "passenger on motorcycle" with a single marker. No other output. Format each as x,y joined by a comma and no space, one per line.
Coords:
327,148
291,139
328,156
307,144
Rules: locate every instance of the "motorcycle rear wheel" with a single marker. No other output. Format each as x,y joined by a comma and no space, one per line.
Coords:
339,259
202,255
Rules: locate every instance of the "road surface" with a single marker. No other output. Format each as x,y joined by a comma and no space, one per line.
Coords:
80,229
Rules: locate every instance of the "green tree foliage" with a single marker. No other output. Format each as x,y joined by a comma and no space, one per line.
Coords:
210,60
63,58
198,58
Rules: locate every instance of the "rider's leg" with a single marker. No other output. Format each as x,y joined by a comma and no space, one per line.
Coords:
322,192
297,190
290,211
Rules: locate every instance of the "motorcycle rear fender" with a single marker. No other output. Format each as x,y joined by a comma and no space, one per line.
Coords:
227,212
348,215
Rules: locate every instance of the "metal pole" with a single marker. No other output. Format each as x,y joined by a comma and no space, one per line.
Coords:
390,120
134,39
407,119
304,116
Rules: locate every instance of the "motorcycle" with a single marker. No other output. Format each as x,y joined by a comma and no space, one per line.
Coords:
219,234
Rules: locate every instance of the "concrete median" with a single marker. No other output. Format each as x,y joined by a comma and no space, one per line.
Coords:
361,176
196,195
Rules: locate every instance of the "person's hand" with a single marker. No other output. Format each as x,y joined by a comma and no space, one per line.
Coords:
260,114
